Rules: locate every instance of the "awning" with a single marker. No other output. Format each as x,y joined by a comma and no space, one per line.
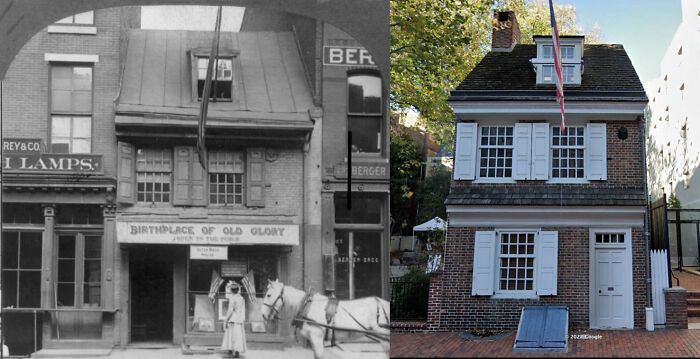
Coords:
202,233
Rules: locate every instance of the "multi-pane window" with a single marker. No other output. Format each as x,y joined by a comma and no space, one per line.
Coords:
21,269
567,71
568,152
226,177
71,109
79,273
85,18
365,112
548,73
496,152
516,259
567,52
222,78
153,175
610,238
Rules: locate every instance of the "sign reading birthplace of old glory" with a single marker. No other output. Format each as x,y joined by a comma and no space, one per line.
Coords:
206,233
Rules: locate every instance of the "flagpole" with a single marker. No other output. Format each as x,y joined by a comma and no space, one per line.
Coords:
201,128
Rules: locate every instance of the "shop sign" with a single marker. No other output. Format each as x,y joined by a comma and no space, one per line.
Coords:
234,268
209,252
206,233
346,56
362,171
26,155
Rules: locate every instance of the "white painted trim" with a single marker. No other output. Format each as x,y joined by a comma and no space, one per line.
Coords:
513,294
568,180
71,58
493,180
516,295
72,29
591,273
547,107
528,216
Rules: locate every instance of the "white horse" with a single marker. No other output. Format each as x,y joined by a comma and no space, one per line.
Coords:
363,316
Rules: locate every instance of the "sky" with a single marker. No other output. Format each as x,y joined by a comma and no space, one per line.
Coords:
644,27
190,18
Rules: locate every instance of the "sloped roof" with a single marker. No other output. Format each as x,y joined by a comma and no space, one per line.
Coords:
546,195
608,76
271,82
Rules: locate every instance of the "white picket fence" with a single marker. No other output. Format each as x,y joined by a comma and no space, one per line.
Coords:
659,281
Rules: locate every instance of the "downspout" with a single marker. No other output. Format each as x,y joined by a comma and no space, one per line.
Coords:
642,140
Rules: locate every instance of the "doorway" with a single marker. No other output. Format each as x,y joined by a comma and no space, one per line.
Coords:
611,285
151,275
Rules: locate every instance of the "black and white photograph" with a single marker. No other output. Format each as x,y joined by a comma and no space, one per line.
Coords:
195,179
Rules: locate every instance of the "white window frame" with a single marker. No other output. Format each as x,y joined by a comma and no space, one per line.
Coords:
478,177
514,294
553,179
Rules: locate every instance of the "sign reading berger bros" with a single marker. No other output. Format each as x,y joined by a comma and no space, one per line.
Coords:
27,155
206,233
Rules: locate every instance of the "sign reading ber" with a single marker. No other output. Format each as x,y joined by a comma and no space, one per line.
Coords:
346,56
207,233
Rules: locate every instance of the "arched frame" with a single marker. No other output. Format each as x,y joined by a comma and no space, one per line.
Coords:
365,20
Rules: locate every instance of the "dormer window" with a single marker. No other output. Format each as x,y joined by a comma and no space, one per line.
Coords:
571,55
223,73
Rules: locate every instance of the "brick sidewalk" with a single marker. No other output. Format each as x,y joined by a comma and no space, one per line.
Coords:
619,343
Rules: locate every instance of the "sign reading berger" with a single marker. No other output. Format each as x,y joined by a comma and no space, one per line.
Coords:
206,233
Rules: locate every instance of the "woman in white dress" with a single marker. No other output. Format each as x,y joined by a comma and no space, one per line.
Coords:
234,335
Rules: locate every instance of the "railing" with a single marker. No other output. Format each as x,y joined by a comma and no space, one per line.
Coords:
409,299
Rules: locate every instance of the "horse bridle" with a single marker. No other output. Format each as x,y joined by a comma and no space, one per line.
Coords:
273,307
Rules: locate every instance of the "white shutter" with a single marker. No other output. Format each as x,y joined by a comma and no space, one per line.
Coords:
484,262
546,262
540,151
596,152
465,151
522,151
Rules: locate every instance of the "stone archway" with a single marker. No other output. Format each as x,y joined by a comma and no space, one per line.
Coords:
365,20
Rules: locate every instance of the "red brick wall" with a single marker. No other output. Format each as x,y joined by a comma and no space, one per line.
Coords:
452,307
676,308
505,33
624,162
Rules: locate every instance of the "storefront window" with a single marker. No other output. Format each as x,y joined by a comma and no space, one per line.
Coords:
22,213
78,214
21,269
206,315
358,264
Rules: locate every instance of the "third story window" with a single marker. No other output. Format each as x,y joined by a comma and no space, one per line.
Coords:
71,109
153,174
222,73
496,152
365,112
568,152
84,18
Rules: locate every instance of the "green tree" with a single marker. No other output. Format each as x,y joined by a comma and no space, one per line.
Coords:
435,43
405,170
432,193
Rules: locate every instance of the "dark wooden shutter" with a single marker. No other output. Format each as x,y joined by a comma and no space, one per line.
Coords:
126,181
199,181
255,184
181,176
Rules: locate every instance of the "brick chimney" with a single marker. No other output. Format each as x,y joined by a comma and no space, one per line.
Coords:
506,32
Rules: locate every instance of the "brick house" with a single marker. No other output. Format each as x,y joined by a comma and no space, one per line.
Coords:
538,215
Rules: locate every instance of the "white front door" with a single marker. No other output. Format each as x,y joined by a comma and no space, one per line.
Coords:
612,281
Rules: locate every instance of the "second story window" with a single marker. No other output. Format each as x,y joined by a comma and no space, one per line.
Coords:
365,112
226,177
153,175
71,109
496,152
223,73
568,152
85,18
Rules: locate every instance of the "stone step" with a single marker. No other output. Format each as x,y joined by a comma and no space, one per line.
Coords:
693,301
693,312
693,295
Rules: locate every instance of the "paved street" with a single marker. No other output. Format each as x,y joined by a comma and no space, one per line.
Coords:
627,343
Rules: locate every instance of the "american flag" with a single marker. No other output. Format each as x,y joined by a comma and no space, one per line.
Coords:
216,282
556,50
249,284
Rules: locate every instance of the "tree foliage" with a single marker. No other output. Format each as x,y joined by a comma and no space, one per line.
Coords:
435,43
405,170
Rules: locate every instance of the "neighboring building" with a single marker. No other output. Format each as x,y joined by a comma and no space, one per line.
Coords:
58,186
540,216
354,244
672,149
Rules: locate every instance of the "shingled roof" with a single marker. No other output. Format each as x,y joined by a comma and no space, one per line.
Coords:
546,195
608,76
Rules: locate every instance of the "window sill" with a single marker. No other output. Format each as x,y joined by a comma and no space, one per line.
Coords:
568,181
72,29
514,295
494,180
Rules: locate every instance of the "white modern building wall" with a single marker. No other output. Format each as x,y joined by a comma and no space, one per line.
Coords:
673,115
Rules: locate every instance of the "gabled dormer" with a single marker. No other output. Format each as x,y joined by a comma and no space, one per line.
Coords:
571,58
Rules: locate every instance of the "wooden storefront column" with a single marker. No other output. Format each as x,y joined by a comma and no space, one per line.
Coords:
181,255
328,223
109,246
47,276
